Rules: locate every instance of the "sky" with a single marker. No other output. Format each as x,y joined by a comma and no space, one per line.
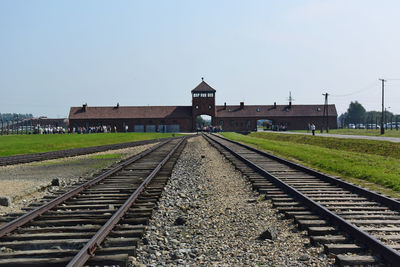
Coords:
58,54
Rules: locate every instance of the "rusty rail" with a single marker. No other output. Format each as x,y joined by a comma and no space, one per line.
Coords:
14,224
394,204
89,249
26,158
390,255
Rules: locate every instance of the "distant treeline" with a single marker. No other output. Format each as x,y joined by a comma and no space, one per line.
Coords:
14,116
356,113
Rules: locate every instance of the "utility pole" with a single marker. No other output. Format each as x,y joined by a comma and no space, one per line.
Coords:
325,114
383,109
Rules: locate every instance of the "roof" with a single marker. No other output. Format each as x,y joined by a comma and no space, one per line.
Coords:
203,87
144,112
263,111
154,112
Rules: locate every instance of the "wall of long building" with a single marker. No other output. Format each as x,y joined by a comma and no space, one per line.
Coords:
185,124
137,125
230,124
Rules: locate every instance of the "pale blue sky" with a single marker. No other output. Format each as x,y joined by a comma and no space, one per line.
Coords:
57,54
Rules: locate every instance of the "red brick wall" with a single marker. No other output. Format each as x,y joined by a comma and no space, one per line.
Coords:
185,124
292,123
202,106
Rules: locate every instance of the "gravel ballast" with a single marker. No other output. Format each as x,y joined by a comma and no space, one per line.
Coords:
208,215
25,183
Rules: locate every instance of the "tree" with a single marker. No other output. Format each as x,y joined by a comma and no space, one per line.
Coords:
342,119
13,116
355,113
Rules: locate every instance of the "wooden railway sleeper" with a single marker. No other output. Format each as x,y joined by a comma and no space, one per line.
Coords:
312,224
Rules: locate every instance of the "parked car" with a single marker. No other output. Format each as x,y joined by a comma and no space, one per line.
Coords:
373,126
352,126
360,126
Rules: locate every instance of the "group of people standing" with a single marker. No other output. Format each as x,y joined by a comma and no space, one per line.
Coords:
211,129
97,129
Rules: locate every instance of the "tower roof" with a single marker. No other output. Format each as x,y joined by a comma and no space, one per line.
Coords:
203,87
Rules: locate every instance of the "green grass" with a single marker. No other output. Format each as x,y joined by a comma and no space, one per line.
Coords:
381,148
369,167
27,144
107,156
369,132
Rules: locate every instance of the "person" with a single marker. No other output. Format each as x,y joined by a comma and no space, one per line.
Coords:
313,128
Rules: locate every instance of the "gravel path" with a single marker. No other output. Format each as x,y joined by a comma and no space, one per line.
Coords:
25,183
209,216
347,136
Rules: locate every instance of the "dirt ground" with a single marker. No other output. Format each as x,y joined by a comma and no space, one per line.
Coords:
25,183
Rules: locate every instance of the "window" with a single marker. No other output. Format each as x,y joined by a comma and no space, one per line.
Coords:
196,95
248,124
318,109
258,109
231,122
197,107
221,123
210,95
209,106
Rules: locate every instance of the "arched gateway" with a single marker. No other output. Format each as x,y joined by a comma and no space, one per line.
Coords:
237,118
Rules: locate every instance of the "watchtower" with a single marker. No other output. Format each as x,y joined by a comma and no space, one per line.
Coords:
203,101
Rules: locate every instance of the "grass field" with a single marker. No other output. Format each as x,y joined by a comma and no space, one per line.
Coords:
386,149
370,132
27,144
377,162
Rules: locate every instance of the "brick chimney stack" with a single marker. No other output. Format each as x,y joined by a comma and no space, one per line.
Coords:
241,105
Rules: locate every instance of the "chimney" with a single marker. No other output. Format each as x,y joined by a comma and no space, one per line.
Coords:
241,105
290,104
225,106
275,105
117,105
84,107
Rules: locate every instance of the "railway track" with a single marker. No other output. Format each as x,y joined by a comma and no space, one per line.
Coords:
97,223
18,159
357,226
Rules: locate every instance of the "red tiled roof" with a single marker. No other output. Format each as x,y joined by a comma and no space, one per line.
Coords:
203,87
279,111
146,112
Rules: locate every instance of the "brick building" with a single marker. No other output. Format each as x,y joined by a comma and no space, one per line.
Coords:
183,118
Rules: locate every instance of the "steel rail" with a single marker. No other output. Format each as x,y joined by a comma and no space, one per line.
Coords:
389,254
89,249
26,158
18,222
393,203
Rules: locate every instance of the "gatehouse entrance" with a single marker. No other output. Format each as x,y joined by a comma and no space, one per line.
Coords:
203,121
